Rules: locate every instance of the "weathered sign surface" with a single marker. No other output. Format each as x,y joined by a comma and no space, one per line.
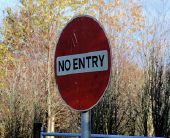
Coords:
82,63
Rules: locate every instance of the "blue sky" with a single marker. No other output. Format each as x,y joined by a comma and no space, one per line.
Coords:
156,7
4,4
7,3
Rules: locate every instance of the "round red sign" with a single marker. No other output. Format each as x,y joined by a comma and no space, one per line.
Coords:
82,63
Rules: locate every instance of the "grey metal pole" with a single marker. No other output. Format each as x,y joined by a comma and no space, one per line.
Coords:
41,136
85,124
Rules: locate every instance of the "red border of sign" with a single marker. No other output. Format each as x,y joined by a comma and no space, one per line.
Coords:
109,67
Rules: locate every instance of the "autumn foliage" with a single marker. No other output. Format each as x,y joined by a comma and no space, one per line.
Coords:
137,101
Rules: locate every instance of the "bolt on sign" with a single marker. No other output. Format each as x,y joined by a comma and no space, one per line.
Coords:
82,63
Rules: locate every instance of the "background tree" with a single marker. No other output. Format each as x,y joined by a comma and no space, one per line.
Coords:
122,20
137,99
154,59
30,36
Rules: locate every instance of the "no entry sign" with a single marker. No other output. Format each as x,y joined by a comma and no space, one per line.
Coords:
82,63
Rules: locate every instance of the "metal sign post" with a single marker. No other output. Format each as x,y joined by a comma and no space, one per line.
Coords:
85,124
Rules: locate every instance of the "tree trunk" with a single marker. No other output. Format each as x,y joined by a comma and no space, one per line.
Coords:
50,125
